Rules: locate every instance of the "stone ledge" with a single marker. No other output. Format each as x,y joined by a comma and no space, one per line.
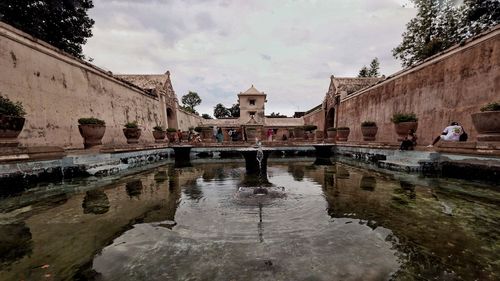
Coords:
11,154
476,148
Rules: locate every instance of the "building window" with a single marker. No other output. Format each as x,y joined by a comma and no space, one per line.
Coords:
252,102
251,113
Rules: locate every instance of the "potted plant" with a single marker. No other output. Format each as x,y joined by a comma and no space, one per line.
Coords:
343,133
369,130
172,133
11,121
331,133
403,123
298,132
310,131
487,122
159,134
92,130
132,132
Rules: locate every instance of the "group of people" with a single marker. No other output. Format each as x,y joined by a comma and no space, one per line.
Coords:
453,132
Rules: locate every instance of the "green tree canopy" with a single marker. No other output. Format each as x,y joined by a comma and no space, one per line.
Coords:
220,111
206,116
189,101
373,71
440,24
235,110
61,23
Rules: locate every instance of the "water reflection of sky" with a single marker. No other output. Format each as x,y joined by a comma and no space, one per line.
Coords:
333,222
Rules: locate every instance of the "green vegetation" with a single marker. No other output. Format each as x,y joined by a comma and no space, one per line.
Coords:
343,129
10,108
91,121
131,125
331,129
171,130
494,106
63,24
439,25
198,129
403,117
310,128
189,101
158,128
373,71
368,124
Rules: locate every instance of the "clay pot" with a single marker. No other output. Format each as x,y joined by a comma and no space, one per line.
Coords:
92,134
132,134
403,128
332,135
343,134
369,133
487,125
172,136
298,133
159,136
10,128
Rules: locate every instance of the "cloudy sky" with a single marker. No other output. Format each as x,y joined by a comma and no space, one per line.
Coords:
218,48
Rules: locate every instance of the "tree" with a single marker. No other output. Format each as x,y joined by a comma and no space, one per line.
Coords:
478,15
277,115
220,111
235,110
206,116
363,72
189,101
61,23
440,24
373,71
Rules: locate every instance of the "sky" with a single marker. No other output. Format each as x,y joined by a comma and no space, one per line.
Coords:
286,48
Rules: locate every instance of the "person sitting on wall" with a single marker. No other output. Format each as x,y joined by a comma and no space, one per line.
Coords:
450,133
410,141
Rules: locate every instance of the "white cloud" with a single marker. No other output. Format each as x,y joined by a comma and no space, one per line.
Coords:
218,48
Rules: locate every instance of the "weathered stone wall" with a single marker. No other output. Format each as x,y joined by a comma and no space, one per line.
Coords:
316,117
446,88
186,120
56,90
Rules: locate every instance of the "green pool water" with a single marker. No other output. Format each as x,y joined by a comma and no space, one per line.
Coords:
316,222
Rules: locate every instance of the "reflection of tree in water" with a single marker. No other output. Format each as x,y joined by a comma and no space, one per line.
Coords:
192,190
95,202
134,188
15,242
367,183
297,171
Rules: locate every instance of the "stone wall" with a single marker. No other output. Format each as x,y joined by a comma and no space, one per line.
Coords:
57,89
316,117
446,88
186,120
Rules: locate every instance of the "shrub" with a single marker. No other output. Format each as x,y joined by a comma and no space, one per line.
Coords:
342,128
332,129
171,130
91,121
403,117
494,106
310,128
158,128
198,129
368,124
10,108
131,125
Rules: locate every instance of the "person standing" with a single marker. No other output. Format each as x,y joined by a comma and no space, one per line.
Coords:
219,136
270,133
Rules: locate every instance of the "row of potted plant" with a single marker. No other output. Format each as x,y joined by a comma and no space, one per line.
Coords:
92,131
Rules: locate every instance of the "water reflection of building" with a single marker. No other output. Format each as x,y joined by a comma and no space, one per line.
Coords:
34,242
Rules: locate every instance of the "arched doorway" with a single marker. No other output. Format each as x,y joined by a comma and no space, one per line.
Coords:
171,123
330,118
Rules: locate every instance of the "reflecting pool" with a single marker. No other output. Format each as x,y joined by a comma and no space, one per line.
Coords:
207,222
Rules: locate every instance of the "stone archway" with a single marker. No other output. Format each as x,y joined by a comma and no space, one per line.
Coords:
330,118
171,118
